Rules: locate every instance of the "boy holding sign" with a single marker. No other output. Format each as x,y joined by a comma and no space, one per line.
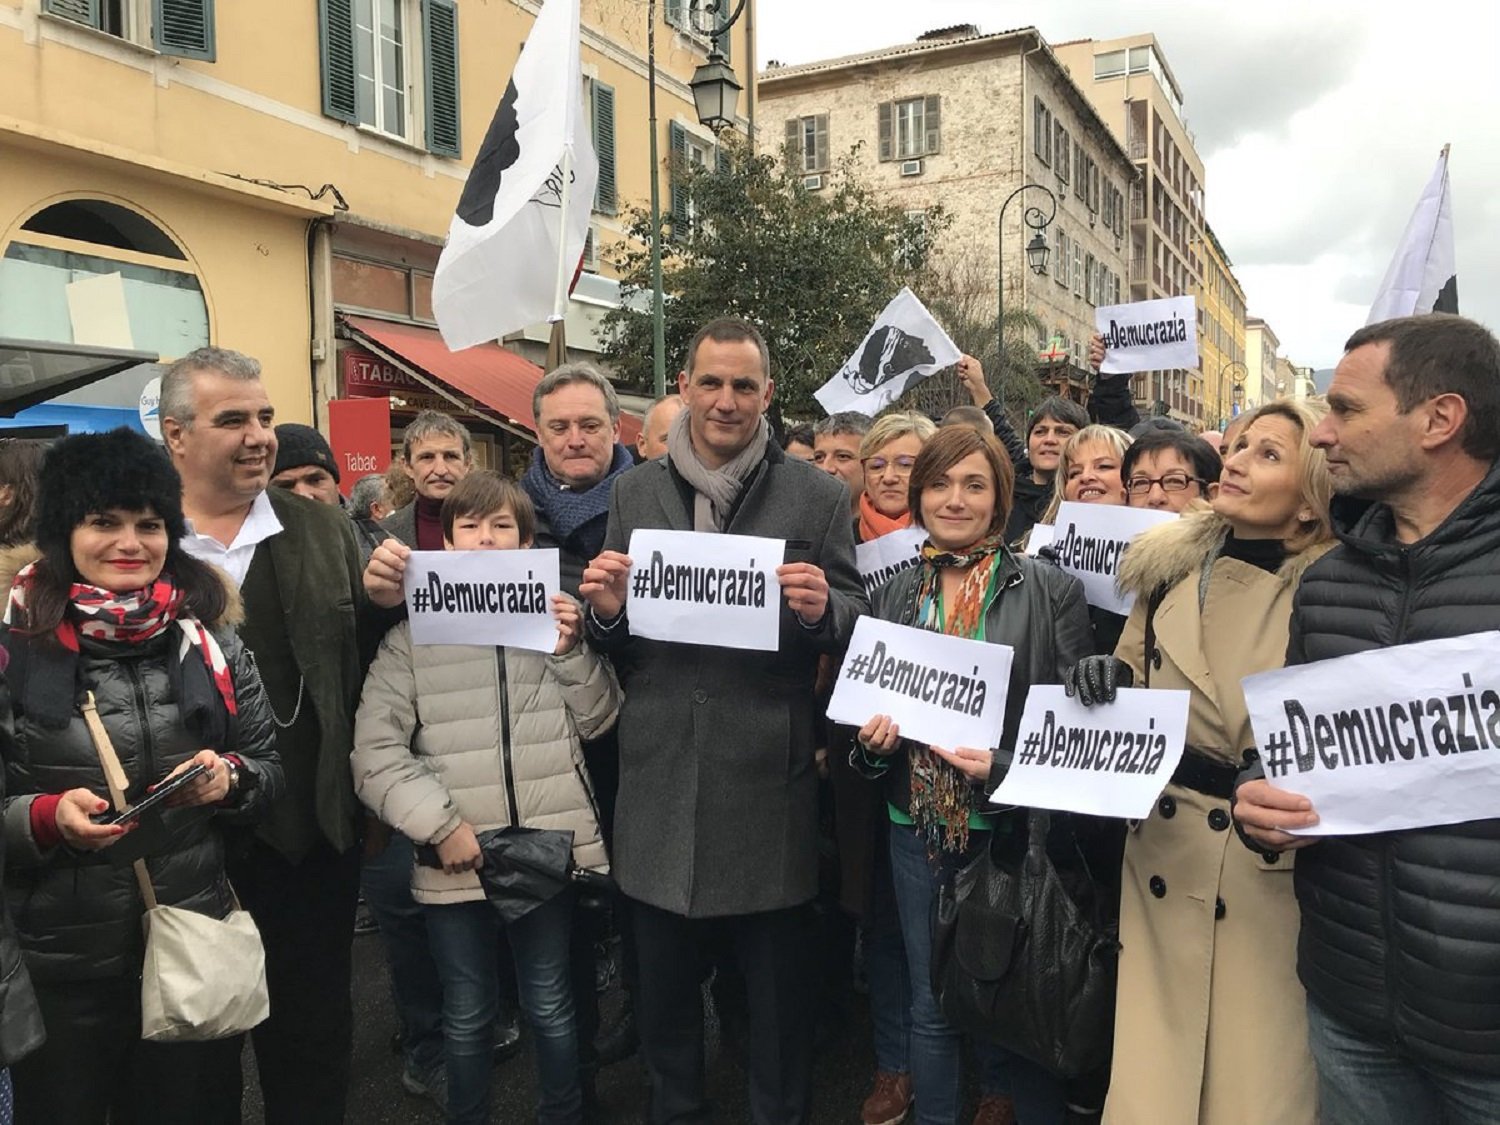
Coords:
455,739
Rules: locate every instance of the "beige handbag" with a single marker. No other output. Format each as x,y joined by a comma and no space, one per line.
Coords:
203,977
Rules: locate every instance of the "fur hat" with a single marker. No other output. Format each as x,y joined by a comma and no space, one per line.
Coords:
96,472
298,445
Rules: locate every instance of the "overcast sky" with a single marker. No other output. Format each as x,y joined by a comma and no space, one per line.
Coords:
1319,122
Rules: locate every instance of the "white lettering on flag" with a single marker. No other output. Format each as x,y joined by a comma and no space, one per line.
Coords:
941,690
1089,541
1112,759
703,588
881,559
1402,737
483,598
1148,335
904,347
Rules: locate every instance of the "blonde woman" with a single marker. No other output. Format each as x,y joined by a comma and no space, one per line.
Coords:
1210,1024
887,454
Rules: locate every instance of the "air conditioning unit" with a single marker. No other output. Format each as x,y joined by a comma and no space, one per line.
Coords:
812,183
591,250
911,167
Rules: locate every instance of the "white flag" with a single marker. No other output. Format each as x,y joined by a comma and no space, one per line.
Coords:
905,346
1423,276
510,240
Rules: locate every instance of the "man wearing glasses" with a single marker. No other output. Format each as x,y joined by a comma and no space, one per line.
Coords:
1168,469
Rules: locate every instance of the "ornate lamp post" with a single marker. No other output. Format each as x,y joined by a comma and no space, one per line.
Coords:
1239,378
716,90
1037,251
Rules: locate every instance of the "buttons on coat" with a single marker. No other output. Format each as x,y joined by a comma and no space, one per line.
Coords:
1218,819
1167,806
700,696
1218,909
1271,857
1156,659
1158,886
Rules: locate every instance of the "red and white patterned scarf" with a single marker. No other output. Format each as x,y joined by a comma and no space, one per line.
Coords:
105,615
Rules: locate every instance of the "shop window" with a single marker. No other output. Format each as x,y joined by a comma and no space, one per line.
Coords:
183,28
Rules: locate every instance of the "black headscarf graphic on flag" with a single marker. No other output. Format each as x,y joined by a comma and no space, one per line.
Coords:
1423,276
522,221
904,346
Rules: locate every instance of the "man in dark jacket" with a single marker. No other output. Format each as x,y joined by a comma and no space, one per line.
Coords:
717,814
297,567
1400,941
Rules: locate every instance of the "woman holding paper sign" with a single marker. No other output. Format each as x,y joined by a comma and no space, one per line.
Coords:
967,584
1210,1022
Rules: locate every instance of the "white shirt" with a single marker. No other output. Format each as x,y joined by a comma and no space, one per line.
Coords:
259,526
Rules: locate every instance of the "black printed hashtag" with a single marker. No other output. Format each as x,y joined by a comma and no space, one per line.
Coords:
640,583
420,599
1030,745
856,666
1278,755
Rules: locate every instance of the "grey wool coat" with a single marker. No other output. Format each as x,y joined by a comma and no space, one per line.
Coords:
717,812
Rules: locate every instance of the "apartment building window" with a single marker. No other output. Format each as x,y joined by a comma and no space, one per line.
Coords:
1107,205
1041,131
182,28
1089,293
1060,147
677,14
1093,199
1077,268
602,127
689,153
910,128
1080,171
1110,64
370,51
808,138
1062,264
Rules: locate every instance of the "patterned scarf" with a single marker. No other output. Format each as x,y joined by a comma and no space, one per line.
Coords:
567,510
104,615
941,797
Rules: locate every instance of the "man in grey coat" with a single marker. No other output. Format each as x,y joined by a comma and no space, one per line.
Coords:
716,822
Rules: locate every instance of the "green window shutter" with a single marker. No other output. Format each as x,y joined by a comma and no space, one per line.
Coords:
820,141
336,56
606,197
440,56
676,13
726,38
677,143
932,124
184,28
887,115
721,159
794,144
79,11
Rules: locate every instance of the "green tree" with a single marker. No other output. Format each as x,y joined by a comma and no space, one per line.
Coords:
812,269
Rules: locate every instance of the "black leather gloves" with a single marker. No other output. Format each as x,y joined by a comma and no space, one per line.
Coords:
1095,679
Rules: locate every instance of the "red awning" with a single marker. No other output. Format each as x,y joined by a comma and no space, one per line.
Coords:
495,378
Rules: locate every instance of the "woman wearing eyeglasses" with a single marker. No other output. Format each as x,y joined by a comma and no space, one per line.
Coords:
886,455
1167,470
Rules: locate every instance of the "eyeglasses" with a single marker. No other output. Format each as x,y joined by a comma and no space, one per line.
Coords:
902,463
1170,482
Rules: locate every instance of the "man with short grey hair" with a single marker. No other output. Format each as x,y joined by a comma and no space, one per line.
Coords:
836,441
438,452
297,568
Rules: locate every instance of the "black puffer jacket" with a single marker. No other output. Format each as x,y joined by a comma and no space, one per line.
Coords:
1401,930
78,913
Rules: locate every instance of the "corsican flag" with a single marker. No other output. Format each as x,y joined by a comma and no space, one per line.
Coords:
904,347
1423,277
523,217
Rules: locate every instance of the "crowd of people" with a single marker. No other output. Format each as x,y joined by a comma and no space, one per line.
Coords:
214,603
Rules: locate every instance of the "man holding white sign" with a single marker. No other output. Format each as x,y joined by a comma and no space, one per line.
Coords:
717,812
1400,931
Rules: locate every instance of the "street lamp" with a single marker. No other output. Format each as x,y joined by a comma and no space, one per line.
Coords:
1036,257
1239,386
716,90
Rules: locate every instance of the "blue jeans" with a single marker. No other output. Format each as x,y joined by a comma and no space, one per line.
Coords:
463,936
886,970
1366,1082
936,1065
385,881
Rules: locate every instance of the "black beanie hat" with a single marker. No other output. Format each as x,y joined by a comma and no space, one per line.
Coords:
298,445
96,472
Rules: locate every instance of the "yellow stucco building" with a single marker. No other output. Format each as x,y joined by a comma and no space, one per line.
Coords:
1221,337
264,175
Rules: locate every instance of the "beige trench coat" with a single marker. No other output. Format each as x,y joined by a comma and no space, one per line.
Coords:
1210,1024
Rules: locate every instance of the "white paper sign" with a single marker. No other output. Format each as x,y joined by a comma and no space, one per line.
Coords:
880,559
941,690
483,598
1393,738
1041,535
702,588
904,347
1148,335
1112,759
1089,540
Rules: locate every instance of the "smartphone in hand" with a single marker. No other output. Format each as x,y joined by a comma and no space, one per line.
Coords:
154,799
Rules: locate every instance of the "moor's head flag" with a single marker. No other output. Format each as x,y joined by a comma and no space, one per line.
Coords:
904,347
1423,276
524,212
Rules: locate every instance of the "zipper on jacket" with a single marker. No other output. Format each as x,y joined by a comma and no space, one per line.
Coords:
1400,637
1387,860
143,712
505,763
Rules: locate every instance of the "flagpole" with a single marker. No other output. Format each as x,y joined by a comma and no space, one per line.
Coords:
658,315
